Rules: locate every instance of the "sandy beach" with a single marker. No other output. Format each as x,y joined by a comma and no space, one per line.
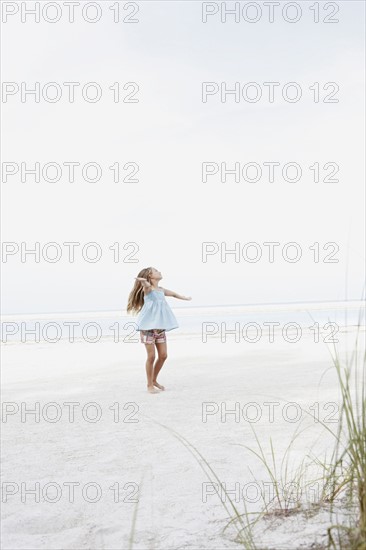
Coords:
119,447
205,159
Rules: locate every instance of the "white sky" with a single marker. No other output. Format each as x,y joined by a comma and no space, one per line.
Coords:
169,133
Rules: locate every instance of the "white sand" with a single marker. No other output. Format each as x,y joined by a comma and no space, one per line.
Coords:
171,513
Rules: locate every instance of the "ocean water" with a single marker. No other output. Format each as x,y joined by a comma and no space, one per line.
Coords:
212,321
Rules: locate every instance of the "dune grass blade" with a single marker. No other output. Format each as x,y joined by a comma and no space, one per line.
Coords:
245,533
134,518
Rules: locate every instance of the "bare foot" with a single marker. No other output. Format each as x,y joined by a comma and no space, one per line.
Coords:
159,386
151,389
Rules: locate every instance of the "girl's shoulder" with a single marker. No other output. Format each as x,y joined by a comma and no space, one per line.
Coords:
150,289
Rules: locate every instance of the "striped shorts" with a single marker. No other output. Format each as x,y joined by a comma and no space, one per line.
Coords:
153,336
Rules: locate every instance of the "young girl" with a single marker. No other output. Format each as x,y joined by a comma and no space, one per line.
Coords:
155,317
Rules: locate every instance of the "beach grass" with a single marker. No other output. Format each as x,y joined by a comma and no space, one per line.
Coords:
342,476
242,521
131,539
347,471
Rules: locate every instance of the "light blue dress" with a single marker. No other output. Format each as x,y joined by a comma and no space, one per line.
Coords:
156,313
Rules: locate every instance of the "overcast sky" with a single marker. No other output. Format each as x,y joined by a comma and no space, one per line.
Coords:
169,133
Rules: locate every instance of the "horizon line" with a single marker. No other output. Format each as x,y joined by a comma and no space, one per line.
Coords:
186,307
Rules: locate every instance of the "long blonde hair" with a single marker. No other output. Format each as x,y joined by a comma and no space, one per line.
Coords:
136,297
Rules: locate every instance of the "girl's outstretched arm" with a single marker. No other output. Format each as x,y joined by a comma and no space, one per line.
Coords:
175,295
145,283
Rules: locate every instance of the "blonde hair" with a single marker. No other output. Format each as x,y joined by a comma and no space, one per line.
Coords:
136,296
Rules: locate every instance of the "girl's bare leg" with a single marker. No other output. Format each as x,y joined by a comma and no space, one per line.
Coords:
150,349
162,356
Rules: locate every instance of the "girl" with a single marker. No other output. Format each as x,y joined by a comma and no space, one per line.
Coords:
155,317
